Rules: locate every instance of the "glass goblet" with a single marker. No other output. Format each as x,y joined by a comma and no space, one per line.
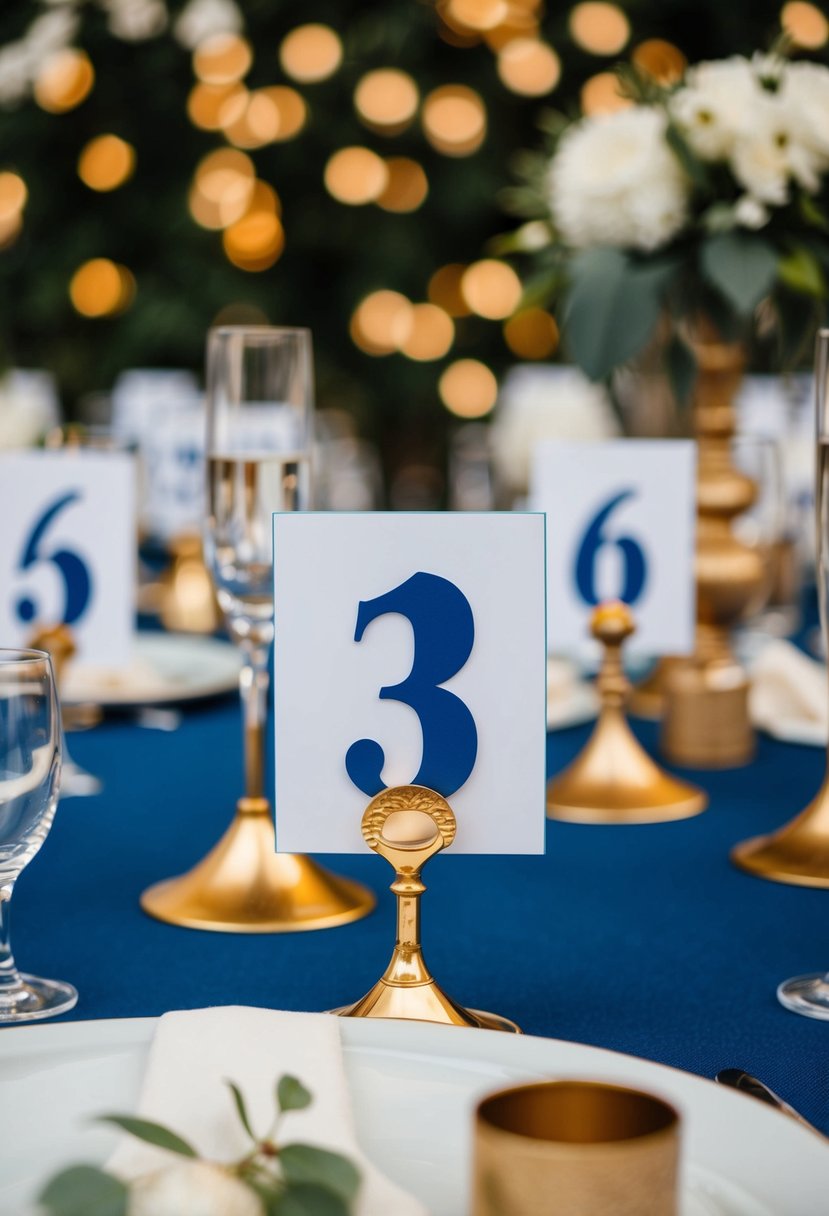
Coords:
259,416
30,751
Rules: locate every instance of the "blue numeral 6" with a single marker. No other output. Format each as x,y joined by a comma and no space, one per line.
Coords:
633,557
77,582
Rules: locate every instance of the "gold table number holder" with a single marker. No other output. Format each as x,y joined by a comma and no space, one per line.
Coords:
406,825
613,779
187,600
797,853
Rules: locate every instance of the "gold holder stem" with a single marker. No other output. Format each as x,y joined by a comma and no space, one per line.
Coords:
797,853
243,885
407,825
613,779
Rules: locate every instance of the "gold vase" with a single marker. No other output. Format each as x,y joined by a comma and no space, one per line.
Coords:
706,721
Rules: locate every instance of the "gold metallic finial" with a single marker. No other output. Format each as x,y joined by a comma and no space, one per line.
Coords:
613,779
406,825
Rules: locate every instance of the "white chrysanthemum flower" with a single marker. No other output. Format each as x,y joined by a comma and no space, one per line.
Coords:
770,155
51,32
715,106
805,92
749,212
192,1188
202,19
135,20
15,73
615,181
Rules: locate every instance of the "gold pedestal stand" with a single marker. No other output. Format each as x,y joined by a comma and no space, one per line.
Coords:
187,601
613,779
244,886
706,721
407,825
797,853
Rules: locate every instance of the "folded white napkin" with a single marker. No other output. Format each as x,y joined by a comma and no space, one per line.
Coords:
789,694
184,1088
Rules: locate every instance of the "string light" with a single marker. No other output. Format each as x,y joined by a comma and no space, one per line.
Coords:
445,290
101,288
387,99
291,108
106,163
532,334
529,67
478,14
207,104
600,95
254,242
222,59
356,176
222,188
63,81
311,53
600,28
468,388
407,185
661,60
432,333
491,288
382,322
805,24
454,120
13,198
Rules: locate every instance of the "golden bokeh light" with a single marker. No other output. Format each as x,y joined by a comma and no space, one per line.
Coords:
532,334
106,162
468,388
477,14
454,120
387,99
254,242
356,176
222,188
101,288
382,322
222,59
600,95
661,60
432,333
63,81
311,53
529,67
805,24
10,229
292,109
256,124
407,185
600,28
208,103
491,288
13,197
445,290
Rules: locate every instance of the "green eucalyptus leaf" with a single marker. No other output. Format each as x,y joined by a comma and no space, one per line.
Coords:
742,267
307,1163
801,271
291,1094
152,1133
307,1199
681,367
241,1109
812,212
84,1190
613,306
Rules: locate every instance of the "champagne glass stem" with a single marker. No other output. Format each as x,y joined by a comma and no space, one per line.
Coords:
9,975
253,684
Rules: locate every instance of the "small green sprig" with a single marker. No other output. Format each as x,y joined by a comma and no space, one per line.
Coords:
292,1179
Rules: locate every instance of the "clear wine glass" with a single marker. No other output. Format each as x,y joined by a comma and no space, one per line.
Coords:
259,433
30,751
809,994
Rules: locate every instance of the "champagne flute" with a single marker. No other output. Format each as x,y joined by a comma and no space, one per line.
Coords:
30,750
259,424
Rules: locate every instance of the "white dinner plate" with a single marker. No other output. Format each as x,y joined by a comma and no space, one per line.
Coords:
414,1087
166,668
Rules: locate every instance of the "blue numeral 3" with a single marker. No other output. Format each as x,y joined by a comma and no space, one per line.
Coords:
444,631
74,572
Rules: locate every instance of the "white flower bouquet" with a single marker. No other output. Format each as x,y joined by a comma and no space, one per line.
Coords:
708,197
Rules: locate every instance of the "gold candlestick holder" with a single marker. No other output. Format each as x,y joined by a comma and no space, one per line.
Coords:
705,721
187,600
797,853
406,825
613,779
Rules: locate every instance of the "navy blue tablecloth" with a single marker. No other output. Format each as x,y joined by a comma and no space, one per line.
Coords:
642,939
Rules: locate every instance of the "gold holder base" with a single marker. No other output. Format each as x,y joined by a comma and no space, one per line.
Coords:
797,853
706,722
244,886
407,825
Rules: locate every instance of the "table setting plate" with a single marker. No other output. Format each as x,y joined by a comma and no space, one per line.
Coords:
166,668
413,1088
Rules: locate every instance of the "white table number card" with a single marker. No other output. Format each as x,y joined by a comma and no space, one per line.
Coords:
409,650
67,549
620,525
